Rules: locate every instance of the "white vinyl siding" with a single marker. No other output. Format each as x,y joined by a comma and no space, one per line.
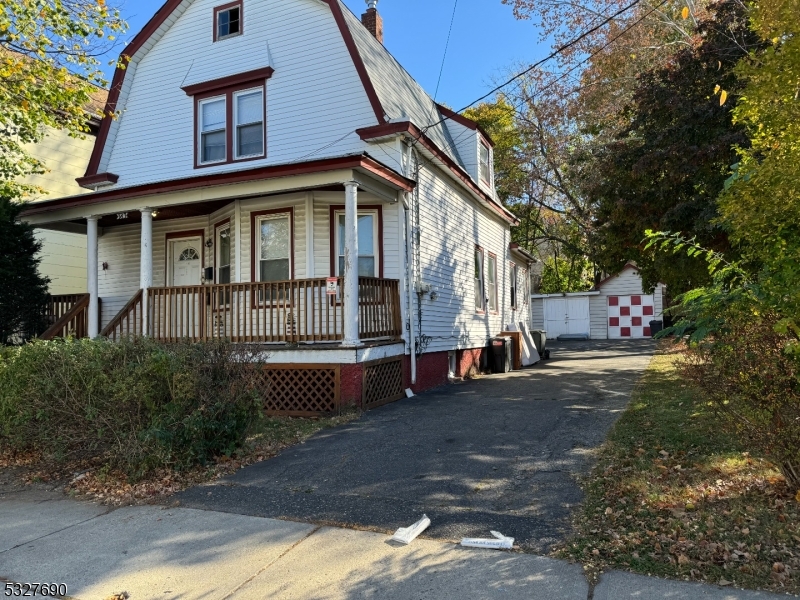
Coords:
314,78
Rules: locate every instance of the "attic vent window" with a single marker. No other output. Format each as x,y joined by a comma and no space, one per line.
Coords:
227,21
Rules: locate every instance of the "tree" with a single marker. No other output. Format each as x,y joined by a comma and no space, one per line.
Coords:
23,294
761,207
665,170
49,67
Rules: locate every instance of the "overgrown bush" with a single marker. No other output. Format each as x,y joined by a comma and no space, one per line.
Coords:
139,404
755,383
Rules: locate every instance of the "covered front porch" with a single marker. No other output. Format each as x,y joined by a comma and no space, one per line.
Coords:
292,264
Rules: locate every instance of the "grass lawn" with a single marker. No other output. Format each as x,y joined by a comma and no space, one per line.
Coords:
673,495
85,479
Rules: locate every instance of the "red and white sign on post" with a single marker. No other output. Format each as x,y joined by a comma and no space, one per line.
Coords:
333,286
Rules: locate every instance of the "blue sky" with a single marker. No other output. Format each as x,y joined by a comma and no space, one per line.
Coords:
487,41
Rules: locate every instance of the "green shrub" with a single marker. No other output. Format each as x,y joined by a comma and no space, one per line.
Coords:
755,383
139,404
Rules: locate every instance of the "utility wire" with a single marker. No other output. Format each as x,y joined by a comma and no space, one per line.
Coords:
446,46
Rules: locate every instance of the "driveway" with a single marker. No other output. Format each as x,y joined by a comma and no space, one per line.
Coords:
498,453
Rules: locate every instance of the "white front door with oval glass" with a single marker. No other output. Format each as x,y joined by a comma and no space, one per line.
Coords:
185,262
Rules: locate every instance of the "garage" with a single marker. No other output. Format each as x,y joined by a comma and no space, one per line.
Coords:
618,308
567,316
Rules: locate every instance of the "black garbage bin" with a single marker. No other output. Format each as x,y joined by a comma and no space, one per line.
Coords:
502,354
540,341
655,327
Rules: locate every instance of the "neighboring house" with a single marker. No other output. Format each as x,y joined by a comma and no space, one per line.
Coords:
275,176
618,308
66,158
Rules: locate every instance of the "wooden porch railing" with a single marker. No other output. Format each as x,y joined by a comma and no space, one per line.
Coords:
128,321
283,311
68,315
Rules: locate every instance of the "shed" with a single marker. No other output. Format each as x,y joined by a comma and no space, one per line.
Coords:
618,308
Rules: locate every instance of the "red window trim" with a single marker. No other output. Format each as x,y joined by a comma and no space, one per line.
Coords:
219,9
514,306
481,311
332,225
496,284
217,226
253,218
229,123
179,235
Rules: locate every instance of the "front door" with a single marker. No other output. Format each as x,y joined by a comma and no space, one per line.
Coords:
186,262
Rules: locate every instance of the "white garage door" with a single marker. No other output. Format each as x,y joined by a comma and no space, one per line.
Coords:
566,316
630,316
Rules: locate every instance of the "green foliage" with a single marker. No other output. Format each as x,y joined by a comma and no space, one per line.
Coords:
49,70
498,119
23,294
138,405
572,274
761,207
666,169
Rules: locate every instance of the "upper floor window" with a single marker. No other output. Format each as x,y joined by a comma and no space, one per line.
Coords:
485,163
212,130
231,126
227,20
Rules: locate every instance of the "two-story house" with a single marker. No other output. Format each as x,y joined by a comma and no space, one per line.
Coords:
274,176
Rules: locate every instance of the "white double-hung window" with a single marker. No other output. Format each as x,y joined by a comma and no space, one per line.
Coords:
213,131
274,248
368,255
249,118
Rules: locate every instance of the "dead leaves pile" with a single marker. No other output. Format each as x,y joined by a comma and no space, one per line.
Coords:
729,521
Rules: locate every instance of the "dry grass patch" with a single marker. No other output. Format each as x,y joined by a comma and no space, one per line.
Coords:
674,495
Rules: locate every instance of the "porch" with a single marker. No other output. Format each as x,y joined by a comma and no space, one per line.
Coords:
299,311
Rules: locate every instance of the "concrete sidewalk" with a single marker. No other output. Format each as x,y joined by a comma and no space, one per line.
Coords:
172,553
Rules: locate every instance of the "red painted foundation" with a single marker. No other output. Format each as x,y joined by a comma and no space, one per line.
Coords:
352,383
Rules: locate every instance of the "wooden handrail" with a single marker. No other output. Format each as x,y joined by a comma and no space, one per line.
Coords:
77,313
128,321
292,311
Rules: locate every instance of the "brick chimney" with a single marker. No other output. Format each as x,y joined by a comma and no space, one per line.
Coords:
372,20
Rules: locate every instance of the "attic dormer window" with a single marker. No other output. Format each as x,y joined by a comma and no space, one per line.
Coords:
485,163
227,21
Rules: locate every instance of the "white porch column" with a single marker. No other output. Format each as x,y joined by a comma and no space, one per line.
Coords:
146,266
350,292
91,276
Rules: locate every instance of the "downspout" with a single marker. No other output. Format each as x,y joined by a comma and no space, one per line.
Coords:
410,275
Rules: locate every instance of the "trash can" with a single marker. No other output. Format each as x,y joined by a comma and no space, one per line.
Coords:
502,354
540,341
655,327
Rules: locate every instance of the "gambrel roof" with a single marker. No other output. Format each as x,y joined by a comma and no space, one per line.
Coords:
393,93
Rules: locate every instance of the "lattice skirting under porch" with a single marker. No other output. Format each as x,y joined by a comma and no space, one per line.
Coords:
300,390
383,382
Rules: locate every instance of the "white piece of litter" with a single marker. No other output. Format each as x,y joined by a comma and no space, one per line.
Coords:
500,543
406,535
409,393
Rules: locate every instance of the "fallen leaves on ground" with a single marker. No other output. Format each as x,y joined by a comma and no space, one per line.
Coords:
673,496
90,479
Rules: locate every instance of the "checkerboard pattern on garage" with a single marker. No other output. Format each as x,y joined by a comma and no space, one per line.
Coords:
630,316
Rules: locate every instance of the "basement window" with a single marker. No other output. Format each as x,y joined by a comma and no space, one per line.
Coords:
227,21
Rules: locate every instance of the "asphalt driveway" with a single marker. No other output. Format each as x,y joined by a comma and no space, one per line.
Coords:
499,453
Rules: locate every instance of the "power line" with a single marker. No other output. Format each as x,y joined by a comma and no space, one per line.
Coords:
446,46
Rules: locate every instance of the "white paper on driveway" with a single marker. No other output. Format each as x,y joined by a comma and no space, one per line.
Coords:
500,543
406,535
